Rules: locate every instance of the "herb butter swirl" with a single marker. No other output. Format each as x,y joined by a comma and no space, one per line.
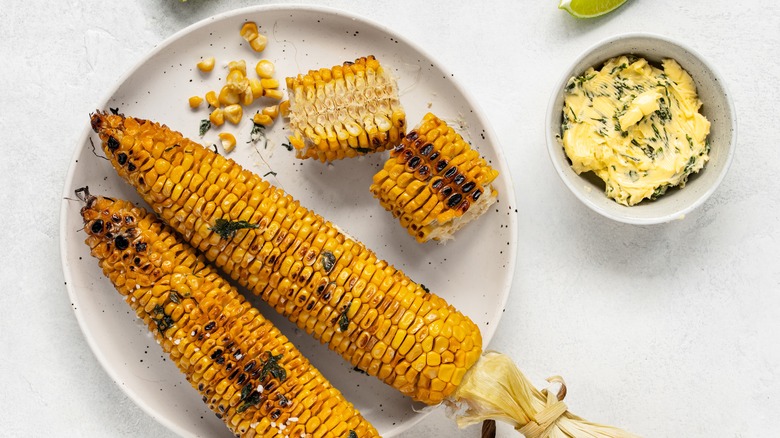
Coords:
637,127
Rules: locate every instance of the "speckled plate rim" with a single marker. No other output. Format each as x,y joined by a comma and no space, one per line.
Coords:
500,163
553,116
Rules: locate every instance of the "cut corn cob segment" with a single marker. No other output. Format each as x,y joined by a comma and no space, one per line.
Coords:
434,182
248,373
330,285
348,110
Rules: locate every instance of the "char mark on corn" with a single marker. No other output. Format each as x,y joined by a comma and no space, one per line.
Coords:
327,283
345,111
247,372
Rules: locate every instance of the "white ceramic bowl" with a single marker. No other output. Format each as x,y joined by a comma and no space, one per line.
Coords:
716,106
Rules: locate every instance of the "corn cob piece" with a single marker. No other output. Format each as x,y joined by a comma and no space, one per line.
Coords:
345,111
330,285
434,182
248,373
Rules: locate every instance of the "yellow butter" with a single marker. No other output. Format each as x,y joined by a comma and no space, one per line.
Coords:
636,126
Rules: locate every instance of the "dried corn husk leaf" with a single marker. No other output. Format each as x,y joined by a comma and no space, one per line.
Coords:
494,388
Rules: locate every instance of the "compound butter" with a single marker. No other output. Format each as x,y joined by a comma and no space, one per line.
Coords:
637,127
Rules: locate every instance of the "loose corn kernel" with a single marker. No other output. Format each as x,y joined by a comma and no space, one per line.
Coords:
258,44
228,141
273,94
271,111
217,117
195,101
237,80
256,87
239,65
269,83
233,113
207,64
247,97
284,108
249,31
228,96
263,119
265,69
211,99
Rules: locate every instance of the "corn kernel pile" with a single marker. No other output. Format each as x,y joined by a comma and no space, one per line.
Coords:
240,91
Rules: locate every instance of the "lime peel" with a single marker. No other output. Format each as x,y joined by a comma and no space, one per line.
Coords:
589,8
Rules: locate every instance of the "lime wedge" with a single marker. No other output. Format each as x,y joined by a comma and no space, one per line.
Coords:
589,8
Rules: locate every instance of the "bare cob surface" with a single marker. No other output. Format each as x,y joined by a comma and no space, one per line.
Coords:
328,284
248,373
345,111
434,182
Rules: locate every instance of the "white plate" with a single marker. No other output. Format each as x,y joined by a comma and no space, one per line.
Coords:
473,273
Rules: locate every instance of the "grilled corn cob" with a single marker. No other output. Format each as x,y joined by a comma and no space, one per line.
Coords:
348,110
434,182
248,373
330,285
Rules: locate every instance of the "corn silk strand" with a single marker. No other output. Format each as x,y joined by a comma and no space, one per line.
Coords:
494,388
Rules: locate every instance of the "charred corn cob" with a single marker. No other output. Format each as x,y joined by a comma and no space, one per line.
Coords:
348,110
330,285
434,182
248,373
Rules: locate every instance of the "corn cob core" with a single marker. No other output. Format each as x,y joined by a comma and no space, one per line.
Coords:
248,373
330,285
345,111
434,182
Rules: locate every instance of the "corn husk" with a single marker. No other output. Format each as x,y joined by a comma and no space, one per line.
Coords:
494,388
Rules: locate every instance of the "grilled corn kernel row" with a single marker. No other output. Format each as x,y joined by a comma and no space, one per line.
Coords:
248,373
434,182
348,110
327,283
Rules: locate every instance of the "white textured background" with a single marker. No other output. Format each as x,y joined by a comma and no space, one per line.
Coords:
667,330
